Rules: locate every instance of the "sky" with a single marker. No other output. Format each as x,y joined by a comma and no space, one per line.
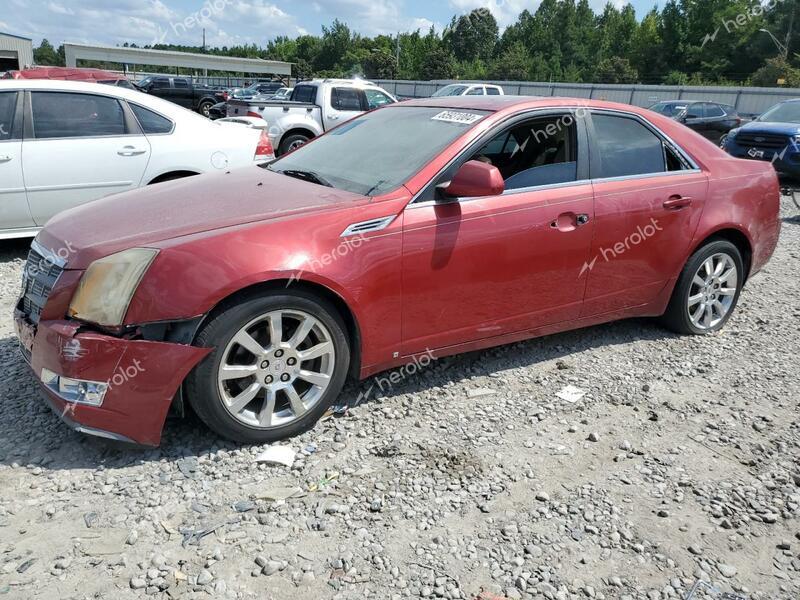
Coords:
233,22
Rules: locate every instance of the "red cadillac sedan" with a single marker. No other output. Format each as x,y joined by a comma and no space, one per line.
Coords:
429,227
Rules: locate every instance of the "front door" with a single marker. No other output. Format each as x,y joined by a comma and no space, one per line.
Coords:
648,202
478,268
83,148
344,104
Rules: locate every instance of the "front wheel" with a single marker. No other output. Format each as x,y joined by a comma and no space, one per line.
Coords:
707,291
279,362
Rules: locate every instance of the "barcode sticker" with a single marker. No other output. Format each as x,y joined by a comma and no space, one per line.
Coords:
451,116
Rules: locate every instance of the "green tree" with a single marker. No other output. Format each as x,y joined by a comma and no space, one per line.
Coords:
45,54
774,70
438,64
380,64
514,64
474,35
616,70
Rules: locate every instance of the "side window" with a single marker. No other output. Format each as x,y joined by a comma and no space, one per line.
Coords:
182,84
476,91
626,147
492,91
538,152
65,115
713,110
8,109
160,82
376,98
694,111
348,99
304,93
150,121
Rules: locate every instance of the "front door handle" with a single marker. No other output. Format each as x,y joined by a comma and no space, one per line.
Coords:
569,221
333,117
5,158
677,202
130,151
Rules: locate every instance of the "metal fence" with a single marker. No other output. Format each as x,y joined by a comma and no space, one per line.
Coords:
746,100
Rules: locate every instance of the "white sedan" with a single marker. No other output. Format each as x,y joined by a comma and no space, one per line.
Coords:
65,143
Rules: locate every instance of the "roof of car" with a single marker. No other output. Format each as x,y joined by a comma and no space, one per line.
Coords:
65,73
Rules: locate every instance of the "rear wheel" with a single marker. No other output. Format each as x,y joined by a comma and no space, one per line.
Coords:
292,142
205,108
279,362
707,291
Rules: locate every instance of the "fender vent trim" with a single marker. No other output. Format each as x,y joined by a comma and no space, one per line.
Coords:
368,226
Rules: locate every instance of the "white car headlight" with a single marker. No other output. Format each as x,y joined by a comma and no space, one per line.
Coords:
108,285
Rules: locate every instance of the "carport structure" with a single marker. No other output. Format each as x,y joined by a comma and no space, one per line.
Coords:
133,57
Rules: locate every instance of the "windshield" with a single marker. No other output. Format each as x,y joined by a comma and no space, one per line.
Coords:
787,112
379,151
450,90
668,109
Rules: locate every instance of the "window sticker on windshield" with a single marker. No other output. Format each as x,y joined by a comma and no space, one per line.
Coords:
452,116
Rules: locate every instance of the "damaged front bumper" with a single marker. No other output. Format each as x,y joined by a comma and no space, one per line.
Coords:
102,385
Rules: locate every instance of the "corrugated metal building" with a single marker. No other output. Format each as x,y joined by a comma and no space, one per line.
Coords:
15,52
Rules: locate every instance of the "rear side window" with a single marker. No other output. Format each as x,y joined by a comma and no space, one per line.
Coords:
150,121
713,110
181,83
346,99
626,147
68,115
160,82
305,93
376,98
492,91
476,91
8,106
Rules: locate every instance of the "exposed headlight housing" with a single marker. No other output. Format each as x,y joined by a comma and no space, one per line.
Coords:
108,285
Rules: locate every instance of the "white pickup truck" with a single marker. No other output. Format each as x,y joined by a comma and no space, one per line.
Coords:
313,108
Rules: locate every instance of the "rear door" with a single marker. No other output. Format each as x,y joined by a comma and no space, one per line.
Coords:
649,197
14,211
182,92
344,104
81,147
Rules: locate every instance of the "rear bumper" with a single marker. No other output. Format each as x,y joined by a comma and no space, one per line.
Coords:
142,376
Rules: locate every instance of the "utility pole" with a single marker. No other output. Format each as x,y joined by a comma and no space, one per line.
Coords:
397,59
204,40
788,35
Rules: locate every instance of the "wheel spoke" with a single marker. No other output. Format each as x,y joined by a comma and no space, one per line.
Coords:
296,402
709,316
267,410
246,341
695,299
229,372
697,314
727,275
727,291
319,379
698,281
721,310
275,329
708,267
301,333
315,352
242,400
723,262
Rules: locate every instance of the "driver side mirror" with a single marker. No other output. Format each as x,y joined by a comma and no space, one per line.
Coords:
475,179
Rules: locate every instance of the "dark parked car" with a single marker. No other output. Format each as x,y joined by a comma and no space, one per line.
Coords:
182,91
774,136
260,88
710,119
218,111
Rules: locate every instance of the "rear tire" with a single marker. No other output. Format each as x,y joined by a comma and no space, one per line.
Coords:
707,290
219,387
204,109
292,142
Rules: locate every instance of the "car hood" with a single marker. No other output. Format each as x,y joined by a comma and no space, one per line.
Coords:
169,210
774,128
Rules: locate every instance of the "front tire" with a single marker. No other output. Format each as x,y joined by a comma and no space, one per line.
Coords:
279,362
205,109
707,290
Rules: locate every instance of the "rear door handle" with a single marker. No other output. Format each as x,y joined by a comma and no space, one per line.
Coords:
677,202
569,221
130,151
5,158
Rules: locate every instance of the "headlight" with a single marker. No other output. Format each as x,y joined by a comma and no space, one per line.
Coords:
732,133
106,289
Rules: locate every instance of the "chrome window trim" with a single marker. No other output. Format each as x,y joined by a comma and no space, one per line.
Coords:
695,169
514,192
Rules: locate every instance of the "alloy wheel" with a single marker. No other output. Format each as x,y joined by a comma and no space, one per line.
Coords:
712,291
276,368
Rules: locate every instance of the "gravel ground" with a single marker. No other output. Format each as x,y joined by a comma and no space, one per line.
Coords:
469,479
